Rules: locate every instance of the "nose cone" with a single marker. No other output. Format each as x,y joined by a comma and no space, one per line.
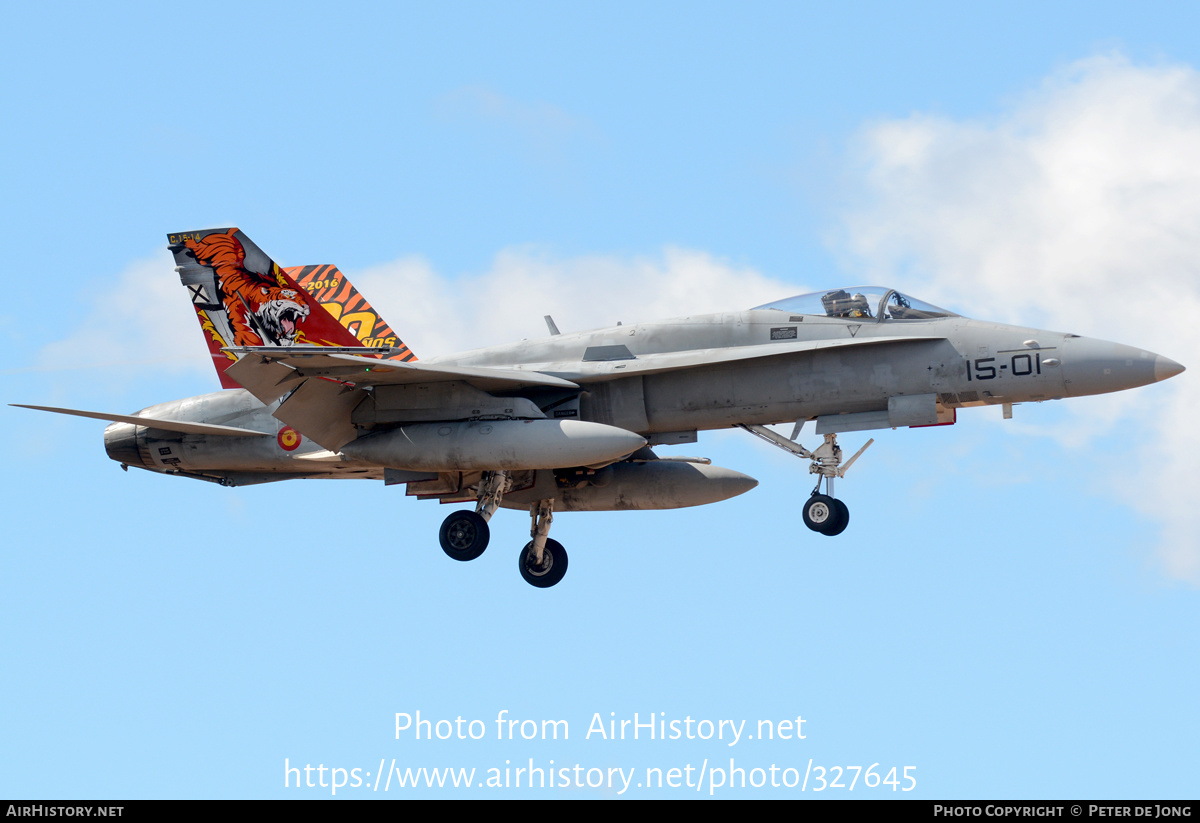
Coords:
1093,366
1165,367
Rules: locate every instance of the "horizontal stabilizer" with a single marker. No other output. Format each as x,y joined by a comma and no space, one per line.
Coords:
154,422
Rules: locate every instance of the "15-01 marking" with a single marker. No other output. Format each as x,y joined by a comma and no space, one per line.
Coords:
1020,365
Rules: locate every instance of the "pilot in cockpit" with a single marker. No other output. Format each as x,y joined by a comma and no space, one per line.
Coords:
841,303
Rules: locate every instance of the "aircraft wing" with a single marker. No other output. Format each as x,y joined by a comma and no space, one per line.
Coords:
154,422
322,408
368,371
609,366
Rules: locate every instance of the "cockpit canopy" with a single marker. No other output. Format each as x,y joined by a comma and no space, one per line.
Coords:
861,303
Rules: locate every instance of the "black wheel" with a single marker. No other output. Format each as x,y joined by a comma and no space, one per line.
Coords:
841,519
464,535
552,568
820,513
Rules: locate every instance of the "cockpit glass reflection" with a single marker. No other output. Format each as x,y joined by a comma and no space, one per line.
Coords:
859,303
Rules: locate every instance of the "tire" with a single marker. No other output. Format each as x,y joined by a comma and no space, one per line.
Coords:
820,512
841,521
464,535
554,564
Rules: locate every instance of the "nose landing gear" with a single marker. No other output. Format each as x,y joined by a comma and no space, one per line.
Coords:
825,514
821,512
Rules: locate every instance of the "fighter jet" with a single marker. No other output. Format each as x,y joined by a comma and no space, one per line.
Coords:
319,386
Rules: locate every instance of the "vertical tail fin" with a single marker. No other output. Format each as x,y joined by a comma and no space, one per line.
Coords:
242,298
337,295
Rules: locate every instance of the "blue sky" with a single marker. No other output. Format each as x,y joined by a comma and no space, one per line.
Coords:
1013,608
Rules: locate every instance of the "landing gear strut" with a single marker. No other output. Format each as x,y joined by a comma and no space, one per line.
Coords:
543,561
821,512
465,534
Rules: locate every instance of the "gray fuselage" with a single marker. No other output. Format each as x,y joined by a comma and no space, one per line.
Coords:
668,380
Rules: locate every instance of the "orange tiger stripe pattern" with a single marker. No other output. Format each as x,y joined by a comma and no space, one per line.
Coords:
337,295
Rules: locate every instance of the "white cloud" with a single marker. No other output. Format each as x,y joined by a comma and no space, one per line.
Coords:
1077,209
541,127
144,317
485,103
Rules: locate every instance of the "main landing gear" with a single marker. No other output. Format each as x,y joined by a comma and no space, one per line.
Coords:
465,534
821,512
543,561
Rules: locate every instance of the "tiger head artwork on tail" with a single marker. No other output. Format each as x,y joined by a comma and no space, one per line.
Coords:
242,298
261,311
